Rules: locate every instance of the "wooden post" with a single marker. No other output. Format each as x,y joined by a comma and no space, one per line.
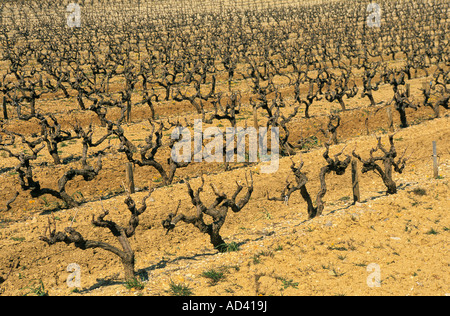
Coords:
408,90
390,119
128,115
5,110
355,182
130,178
255,119
435,162
366,124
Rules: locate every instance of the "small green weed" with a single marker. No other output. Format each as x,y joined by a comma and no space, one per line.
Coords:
36,289
134,283
179,289
214,276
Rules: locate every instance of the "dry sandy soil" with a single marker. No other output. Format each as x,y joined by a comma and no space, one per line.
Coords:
280,251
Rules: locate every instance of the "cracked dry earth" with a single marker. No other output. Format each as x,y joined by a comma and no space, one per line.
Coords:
403,238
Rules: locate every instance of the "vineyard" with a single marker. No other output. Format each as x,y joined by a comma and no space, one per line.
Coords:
136,135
